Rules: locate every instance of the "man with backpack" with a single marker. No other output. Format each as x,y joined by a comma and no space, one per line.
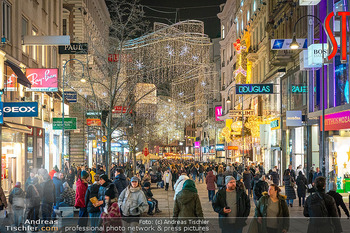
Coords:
322,210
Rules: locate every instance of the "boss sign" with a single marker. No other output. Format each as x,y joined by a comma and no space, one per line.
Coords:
20,109
331,37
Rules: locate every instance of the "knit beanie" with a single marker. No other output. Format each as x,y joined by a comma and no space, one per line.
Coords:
147,184
104,177
228,179
110,192
84,174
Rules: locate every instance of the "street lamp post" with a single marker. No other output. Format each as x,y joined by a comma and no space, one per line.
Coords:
82,80
295,45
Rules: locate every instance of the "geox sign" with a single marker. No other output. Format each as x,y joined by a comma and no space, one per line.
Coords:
20,109
73,48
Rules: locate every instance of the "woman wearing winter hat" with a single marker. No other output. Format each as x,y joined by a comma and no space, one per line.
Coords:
111,216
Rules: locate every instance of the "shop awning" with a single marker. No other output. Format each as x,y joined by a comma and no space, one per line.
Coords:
20,128
21,78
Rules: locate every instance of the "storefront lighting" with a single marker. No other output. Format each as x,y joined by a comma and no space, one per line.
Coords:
228,100
83,80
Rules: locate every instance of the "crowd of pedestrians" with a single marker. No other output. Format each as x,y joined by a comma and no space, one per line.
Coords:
118,196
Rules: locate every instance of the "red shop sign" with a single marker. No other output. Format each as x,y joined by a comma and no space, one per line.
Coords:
93,122
117,57
120,109
336,121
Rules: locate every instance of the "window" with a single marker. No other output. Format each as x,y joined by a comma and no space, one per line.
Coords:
254,5
34,47
43,56
242,25
24,32
6,20
64,27
248,16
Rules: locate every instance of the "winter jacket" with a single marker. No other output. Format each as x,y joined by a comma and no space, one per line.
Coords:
132,202
316,174
275,177
210,180
247,178
70,179
179,184
33,198
324,225
254,181
16,198
80,194
3,201
174,176
220,180
120,183
292,173
148,193
283,213
91,192
68,196
259,188
48,192
112,218
339,202
290,192
58,186
29,181
301,183
187,205
102,190
51,173
167,177
243,206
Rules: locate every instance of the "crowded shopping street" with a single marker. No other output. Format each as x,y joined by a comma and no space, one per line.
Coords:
225,116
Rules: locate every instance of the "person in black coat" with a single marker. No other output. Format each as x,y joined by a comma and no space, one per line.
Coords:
94,212
290,192
33,199
120,181
275,176
105,184
327,221
71,177
260,187
48,198
338,199
247,179
301,183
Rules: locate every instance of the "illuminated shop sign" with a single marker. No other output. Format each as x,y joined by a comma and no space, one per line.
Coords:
315,54
254,89
343,31
218,113
299,89
275,124
336,121
220,147
293,118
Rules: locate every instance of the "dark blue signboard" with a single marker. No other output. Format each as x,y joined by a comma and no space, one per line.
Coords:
254,89
20,109
70,96
220,147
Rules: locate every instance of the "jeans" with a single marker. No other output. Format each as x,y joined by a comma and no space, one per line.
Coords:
301,198
47,210
289,201
194,177
211,194
200,177
94,219
33,213
18,216
83,218
150,206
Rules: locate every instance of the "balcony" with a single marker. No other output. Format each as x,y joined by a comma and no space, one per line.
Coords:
280,57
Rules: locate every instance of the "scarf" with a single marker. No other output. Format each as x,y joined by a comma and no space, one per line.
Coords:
190,186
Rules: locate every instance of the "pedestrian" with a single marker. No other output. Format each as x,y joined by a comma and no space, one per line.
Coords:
253,183
232,205
58,187
187,203
82,186
338,198
105,184
301,183
29,181
247,179
275,176
152,202
111,216
179,183
90,196
167,179
92,175
174,177
132,202
289,185
17,202
53,171
42,171
201,173
259,188
67,197
220,177
272,211
146,178
33,199
291,171
318,173
49,198
194,173
322,210
120,181
71,177
210,180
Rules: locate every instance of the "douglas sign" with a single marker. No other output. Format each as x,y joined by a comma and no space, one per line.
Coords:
331,37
